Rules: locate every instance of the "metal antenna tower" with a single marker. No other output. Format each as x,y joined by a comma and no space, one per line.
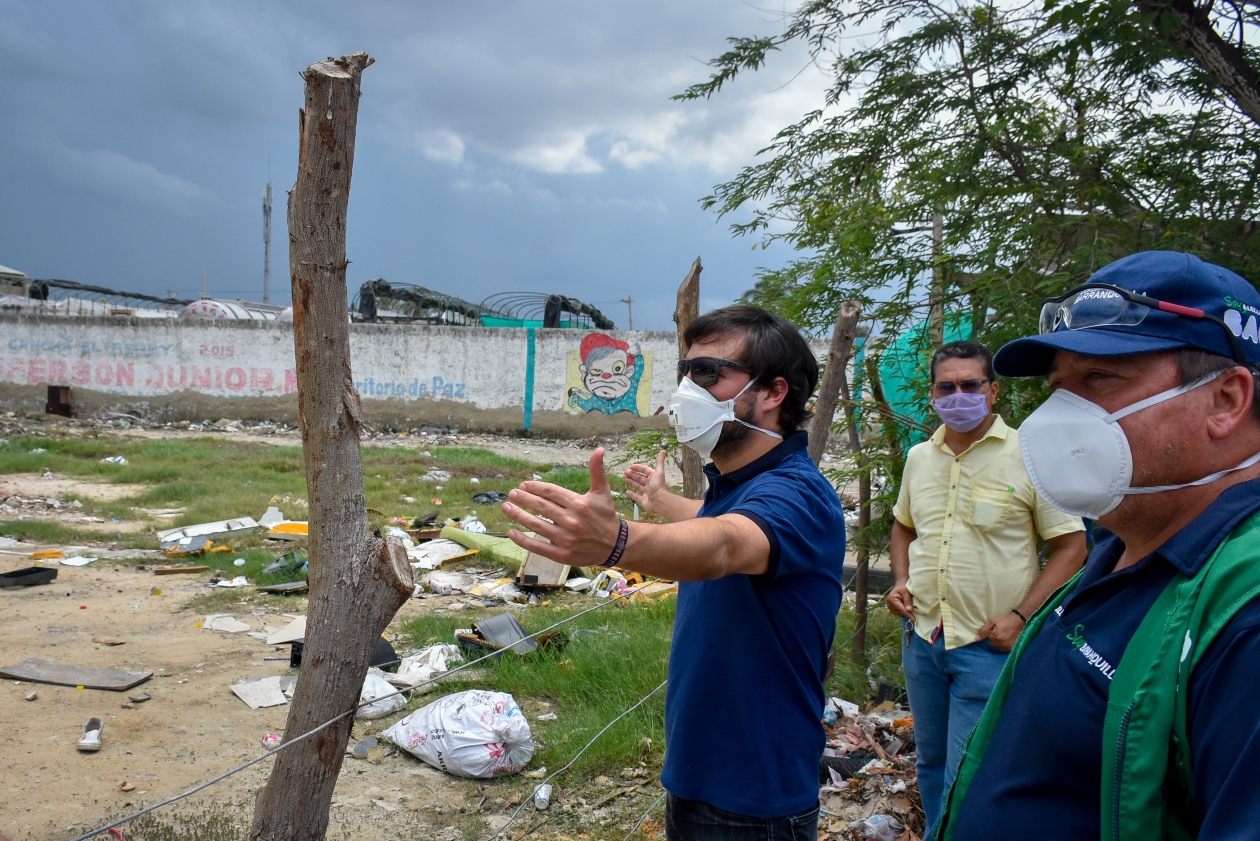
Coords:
267,236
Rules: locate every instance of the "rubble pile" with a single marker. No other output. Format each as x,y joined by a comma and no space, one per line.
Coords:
21,508
870,790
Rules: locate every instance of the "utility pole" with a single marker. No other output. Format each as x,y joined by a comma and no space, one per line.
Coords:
267,236
204,296
629,302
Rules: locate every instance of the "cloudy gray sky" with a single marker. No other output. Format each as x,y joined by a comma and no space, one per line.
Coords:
502,146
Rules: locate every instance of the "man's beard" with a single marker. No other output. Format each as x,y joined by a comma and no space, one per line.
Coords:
734,434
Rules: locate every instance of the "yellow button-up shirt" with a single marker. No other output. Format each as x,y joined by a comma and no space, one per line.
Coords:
977,517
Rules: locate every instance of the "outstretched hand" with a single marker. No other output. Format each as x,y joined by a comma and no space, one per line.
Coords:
571,528
643,483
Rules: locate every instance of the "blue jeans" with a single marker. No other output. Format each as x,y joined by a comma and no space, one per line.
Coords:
695,820
947,692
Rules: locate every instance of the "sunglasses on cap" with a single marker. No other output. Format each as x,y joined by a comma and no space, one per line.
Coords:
707,370
1104,305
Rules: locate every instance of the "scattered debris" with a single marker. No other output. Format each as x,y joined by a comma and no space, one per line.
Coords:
270,740
31,696
141,698
871,790
238,581
108,641
114,460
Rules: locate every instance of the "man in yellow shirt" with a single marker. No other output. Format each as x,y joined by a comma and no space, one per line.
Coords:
964,561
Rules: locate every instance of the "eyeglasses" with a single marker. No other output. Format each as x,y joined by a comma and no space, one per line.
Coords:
945,389
1104,305
707,370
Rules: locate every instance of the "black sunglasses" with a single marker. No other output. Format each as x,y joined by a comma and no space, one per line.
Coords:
945,388
707,370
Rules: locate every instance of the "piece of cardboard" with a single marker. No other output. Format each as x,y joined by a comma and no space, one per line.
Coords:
266,692
295,630
544,572
58,674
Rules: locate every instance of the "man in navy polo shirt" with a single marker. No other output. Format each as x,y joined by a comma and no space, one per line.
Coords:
1128,708
759,563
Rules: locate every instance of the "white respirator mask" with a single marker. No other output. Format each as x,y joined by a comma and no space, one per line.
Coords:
698,416
1079,459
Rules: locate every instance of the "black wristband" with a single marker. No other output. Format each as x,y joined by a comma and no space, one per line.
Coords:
619,548
1015,611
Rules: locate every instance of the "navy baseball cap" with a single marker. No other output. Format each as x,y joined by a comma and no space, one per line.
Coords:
1179,281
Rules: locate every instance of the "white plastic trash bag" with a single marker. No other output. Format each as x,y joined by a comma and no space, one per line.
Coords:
374,687
428,663
469,734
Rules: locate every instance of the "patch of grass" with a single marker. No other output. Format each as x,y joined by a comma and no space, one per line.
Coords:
217,478
615,656
852,681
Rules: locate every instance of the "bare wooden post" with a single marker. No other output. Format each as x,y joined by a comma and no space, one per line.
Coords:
357,581
861,577
829,389
687,310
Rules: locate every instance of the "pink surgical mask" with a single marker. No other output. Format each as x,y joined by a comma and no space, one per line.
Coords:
962,412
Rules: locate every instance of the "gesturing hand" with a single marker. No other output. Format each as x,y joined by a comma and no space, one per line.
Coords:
583,528
644,482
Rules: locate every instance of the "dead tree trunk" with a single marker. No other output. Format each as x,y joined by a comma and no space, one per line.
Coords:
861,576
357,581
687,310
837,360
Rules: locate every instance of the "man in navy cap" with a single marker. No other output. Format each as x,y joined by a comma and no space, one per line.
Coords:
1127,710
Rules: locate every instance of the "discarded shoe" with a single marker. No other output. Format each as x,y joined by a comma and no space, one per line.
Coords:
92,728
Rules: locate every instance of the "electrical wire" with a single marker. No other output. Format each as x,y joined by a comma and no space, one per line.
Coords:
442,677
576,756
643,817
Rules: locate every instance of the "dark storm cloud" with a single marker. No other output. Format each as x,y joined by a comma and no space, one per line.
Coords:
505,145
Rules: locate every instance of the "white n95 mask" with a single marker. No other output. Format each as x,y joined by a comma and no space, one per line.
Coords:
698,416
1079,459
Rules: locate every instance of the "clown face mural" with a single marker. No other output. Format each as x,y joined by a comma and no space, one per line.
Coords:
610,372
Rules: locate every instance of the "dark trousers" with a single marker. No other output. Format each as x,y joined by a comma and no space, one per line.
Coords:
695,820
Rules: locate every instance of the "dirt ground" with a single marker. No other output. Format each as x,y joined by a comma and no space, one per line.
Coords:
192,729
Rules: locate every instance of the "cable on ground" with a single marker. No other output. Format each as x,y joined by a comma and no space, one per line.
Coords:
643,817
444,676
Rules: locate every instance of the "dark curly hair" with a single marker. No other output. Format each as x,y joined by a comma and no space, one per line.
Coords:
773,347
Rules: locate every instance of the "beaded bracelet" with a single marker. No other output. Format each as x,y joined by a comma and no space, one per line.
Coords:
1020,615
619,548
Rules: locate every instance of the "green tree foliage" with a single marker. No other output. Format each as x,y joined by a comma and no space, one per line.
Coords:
1052,138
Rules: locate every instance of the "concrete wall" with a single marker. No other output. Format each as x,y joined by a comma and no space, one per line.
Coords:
408,375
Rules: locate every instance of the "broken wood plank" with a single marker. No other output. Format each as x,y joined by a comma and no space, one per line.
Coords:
58,674
286,588
180,570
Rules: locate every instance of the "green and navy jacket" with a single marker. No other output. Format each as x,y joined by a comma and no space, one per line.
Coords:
1128,709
